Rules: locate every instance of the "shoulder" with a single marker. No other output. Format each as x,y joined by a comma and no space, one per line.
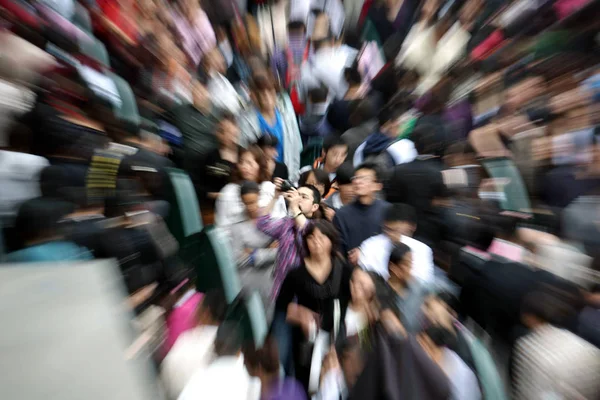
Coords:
230,189
415,244
373,241
267,187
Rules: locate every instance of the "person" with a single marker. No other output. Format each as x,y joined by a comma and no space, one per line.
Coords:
363,309
226,376
317,178
321,287
194,30
267,117
399,225
223,94
363,118
345,190
217,167
268,144
334,154
193,349
362,218
381,147
254,251
392,17
342,370
340,110
251,166
551,361
419,183
314,124
263,363
37,224
303,205
407,294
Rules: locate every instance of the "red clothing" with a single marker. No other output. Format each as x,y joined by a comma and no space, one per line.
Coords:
113,11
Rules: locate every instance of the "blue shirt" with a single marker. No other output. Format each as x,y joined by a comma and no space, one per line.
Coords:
275,130
51,251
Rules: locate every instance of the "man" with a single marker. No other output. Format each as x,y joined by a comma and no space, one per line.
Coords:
268,118
303,203
418,183
381,147
226,376
334,154
314,124
551,362
193,349
364,121
399,224
345,190
362,218
197,122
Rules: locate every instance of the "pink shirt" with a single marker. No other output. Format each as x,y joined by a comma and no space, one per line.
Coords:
197,37
181,319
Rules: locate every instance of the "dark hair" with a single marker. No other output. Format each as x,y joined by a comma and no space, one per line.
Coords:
249,187
316,193
440,335
388,113
333,141
259,157
52,179
321,176
215,303
344,174
266,357
425,138
352,75
399,251
400,212
39,217
267,140
318,44
364,110
548,307
327,229
371,167
261,83
227,116
296,26
228,341
318,94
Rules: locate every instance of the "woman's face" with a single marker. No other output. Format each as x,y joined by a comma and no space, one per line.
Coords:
248,167
271,152
362,287
402,270
318,243
312,180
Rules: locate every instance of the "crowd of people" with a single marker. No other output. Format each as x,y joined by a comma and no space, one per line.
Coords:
411,186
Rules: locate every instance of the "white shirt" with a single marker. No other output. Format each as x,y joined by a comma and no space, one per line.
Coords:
225,378
463,381
402,151
192,351
375,256
230,210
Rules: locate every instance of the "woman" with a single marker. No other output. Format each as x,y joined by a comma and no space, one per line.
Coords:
317,178
251,166
263,363
321,287
268,144
363,309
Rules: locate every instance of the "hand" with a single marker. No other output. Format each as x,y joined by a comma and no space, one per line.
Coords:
248,251
330,362
293,199
391,323
274,245
329,213
353,256
278,182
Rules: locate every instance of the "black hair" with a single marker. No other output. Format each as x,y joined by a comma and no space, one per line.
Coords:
400,212
39,217
318,94
327,229
548,307
315,191
333,141
296,26
228,341
352,75
318,44
517,74
249,187
440,335
399,251
227,116
371,167
215,303
321,176
267,140
364,110
425,139
388,113
52,179
344,174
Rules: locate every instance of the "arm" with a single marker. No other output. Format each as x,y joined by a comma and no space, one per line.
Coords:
338,225
264,257
272,227
226,201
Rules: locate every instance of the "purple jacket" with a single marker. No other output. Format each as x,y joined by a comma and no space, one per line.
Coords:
287,389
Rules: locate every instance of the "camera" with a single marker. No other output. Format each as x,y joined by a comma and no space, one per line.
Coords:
286,186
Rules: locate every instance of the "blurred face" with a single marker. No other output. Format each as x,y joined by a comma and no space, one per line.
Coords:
266,99
201,96
523,92
250,201
318,243
365,183
312,180
216,62
437,312
248,167
396,229
228,134
271,152
335,157
362,287
401,271
307,201
391,128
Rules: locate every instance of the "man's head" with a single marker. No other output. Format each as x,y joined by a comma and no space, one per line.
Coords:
400,263
318,95
310,200
363,112
264,93
228,342
399,220
521,86
389,120
250,192
296,28
228,133
426,139
541,307
335,151
38,219
366,181
268,143
211,311
343,178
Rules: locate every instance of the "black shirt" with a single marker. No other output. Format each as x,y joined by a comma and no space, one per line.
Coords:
280,171
214,173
